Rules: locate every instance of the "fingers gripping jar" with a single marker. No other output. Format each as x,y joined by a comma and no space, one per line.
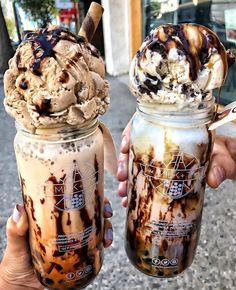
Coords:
169,156
61,175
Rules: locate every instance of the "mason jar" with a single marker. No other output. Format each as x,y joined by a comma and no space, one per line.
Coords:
169,156
61,176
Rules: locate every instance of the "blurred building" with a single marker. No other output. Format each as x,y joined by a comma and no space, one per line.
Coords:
7,8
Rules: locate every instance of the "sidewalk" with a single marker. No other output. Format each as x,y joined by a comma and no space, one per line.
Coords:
214,266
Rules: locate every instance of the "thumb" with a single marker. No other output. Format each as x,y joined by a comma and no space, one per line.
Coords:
16,267
16,230
222,166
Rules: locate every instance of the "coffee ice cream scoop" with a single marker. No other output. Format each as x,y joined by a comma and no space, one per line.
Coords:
178,64
55,78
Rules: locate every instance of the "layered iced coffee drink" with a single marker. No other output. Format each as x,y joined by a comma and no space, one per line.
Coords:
61,177
173,75
55,89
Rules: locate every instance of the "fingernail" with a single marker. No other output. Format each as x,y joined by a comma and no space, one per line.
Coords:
109,234
219,174
108,208
124,142
16,213
121,168
120,187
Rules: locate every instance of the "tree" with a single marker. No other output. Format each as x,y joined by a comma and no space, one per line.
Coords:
40,11
155,9
11,27
6,50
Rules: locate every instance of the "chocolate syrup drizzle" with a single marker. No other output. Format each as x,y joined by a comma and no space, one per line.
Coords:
134,238
59,191
177,36
85,257
97,214
43,42
87,222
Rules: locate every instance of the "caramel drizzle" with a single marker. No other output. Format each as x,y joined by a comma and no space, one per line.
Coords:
168,36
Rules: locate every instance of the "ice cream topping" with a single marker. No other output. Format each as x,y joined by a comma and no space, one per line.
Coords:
55,77
178,64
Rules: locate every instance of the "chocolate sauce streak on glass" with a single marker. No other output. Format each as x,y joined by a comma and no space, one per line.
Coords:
146,209
48,281
144,203
38,256
45,281
131,245
22,185
57,254
164,245
183,207
87,222
133,198
39,232
98,213
186,244
31,207
42,248
42,200
58,192
68,219
170,209
54,266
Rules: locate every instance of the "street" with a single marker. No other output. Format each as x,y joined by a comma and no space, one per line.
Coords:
214,266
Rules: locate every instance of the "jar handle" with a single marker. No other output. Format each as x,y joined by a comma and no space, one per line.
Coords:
110,158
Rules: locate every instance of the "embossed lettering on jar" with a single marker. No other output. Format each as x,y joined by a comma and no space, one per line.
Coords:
169,156
61,174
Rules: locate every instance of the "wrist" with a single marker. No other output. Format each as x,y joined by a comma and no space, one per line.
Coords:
6,283
9,286
3,284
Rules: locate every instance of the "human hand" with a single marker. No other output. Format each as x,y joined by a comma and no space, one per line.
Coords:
122,171
222,165
16,269
223,161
